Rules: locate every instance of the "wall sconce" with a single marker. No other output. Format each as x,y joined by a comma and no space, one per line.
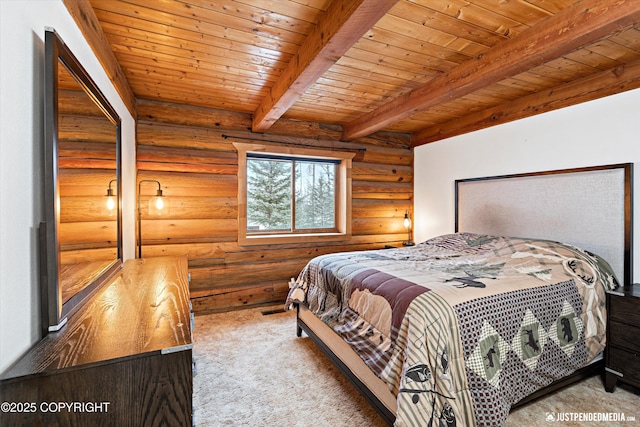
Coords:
110,203
407,225
158,205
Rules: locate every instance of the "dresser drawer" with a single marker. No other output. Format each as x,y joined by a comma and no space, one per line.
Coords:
624,309
625,362
625,336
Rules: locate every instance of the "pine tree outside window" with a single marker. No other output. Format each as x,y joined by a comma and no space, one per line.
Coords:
269,198
290,194
286,196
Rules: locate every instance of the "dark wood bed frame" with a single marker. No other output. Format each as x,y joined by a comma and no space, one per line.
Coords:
580,374
386,414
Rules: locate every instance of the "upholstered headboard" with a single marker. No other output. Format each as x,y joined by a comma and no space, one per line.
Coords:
588,207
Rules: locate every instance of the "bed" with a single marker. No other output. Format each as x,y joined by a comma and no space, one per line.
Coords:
460,328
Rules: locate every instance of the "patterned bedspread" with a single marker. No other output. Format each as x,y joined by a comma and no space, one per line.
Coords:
463,326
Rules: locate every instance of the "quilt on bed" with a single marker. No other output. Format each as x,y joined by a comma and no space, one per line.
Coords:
463,326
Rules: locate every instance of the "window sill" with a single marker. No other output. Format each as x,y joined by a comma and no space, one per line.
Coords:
275,239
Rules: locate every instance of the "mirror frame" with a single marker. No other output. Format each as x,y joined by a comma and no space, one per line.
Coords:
54,312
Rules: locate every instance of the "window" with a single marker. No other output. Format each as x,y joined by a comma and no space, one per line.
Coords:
289,195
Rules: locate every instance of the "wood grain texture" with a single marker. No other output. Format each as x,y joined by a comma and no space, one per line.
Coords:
557,35
75,277
149,390
86,161
128,349
276,62
603,84
85,17
338,28
144,309
203,218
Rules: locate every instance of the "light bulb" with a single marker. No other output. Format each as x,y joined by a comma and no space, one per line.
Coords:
407,220
159,203
111,203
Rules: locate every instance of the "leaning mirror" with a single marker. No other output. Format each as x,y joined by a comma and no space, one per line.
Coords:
81,235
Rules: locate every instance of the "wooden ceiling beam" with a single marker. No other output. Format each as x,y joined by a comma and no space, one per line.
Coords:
570,29
609,82
86,19
342,25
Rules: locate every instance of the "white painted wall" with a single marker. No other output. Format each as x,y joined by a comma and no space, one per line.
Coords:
22,25
600,132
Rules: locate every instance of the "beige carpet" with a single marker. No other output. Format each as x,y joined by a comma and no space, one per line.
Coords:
252,370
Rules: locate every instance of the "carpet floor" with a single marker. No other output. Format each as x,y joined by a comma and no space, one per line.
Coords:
252,370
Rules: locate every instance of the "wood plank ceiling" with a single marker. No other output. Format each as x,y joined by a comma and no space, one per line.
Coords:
431,68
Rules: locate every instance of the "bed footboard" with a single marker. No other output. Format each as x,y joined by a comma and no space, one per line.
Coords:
594,368
370,396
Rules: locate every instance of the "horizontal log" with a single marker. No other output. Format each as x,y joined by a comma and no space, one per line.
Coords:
193,184
89,177
99,234
189,150
250,257
87,149
77,103
74,163
234,274
383,196
96,191
361,171
187,168
381,239
295,142
159,230
215,208
388,156
379,208
148,243
172,136
226,299
85,209
198,254
177,136
381,187
186,155
278,253
377,226
88,255
165,112
86,128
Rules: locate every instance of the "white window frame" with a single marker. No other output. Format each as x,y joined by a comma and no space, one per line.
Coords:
343,190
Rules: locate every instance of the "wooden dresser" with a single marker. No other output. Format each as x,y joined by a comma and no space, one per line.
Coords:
124,359
623,333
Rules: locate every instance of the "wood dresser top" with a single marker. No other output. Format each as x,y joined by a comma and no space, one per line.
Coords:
144,308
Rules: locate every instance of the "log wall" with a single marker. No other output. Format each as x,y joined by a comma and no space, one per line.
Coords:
189,150
86,165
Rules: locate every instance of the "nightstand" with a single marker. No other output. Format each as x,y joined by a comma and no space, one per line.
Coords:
622,355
